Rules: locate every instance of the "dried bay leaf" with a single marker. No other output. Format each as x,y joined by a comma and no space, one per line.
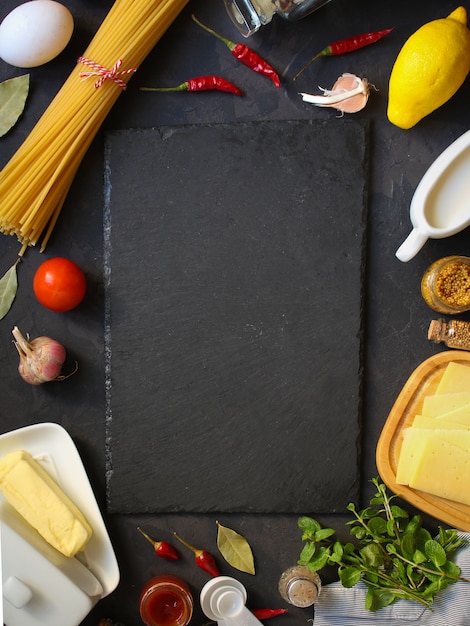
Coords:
8,289
13,94
235,549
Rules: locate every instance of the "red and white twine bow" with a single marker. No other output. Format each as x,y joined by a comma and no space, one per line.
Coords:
113,74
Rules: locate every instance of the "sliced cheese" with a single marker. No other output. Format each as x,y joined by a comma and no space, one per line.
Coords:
443,403
411,450
42,503
459,438
443,470
435,452
461,415
456,378
422,421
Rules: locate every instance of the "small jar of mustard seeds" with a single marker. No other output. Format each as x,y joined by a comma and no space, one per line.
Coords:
445,285
454,333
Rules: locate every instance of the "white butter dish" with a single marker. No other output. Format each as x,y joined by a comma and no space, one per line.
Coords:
37,590
40,585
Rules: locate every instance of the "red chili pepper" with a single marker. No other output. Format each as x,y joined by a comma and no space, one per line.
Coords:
202,83
204,559
267,613
245,55
344,46
162,548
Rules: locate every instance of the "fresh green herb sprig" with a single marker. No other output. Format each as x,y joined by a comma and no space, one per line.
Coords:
393,554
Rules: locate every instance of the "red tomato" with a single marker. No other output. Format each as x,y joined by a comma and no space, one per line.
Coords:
59,284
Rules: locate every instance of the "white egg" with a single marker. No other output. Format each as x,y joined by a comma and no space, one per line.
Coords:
35,33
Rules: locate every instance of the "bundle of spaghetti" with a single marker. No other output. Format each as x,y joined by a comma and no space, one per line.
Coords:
35,182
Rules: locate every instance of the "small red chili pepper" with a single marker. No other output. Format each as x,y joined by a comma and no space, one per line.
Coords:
267,613
344,46
204,559
201,83
162,548
245,55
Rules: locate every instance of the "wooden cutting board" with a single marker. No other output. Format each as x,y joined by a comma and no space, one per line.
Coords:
234,292
423,381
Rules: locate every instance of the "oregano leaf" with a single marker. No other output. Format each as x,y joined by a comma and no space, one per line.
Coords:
408,545
398,512
338,548
235,549
391,527
452,569
400,568
378,599
368,577
307,552
414,524
8,289
337,554
320,559
435,552
435,578
358,532
377,526
324,533
309,525
372,555
369,601
13,94
419,557
349,548
349,576
422,535
369,512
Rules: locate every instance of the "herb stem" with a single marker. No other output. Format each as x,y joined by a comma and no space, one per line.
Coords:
392,587
428,570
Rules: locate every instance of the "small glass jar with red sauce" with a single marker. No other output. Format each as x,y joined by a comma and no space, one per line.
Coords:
166,600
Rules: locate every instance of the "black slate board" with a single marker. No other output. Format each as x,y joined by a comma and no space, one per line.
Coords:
234,261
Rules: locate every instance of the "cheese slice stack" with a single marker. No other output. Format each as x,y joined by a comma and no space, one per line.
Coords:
435,452
42,503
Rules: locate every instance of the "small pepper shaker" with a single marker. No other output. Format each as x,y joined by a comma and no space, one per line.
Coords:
445,285
454,333
299,586
249,15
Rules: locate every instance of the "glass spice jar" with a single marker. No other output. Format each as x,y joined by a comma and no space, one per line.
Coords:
454,333
249,15
299,586
445,285
166,600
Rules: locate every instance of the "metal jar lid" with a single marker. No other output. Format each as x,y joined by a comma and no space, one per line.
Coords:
302,591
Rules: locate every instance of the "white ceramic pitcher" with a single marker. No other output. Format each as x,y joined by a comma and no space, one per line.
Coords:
440,206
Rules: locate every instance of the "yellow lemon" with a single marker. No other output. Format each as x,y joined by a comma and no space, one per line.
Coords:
431,66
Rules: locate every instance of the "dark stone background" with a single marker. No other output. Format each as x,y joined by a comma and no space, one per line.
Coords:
223,364
396,318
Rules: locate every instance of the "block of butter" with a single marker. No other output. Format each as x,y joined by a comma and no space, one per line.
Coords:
39,499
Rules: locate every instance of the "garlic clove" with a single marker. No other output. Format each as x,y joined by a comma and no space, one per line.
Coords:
349,94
